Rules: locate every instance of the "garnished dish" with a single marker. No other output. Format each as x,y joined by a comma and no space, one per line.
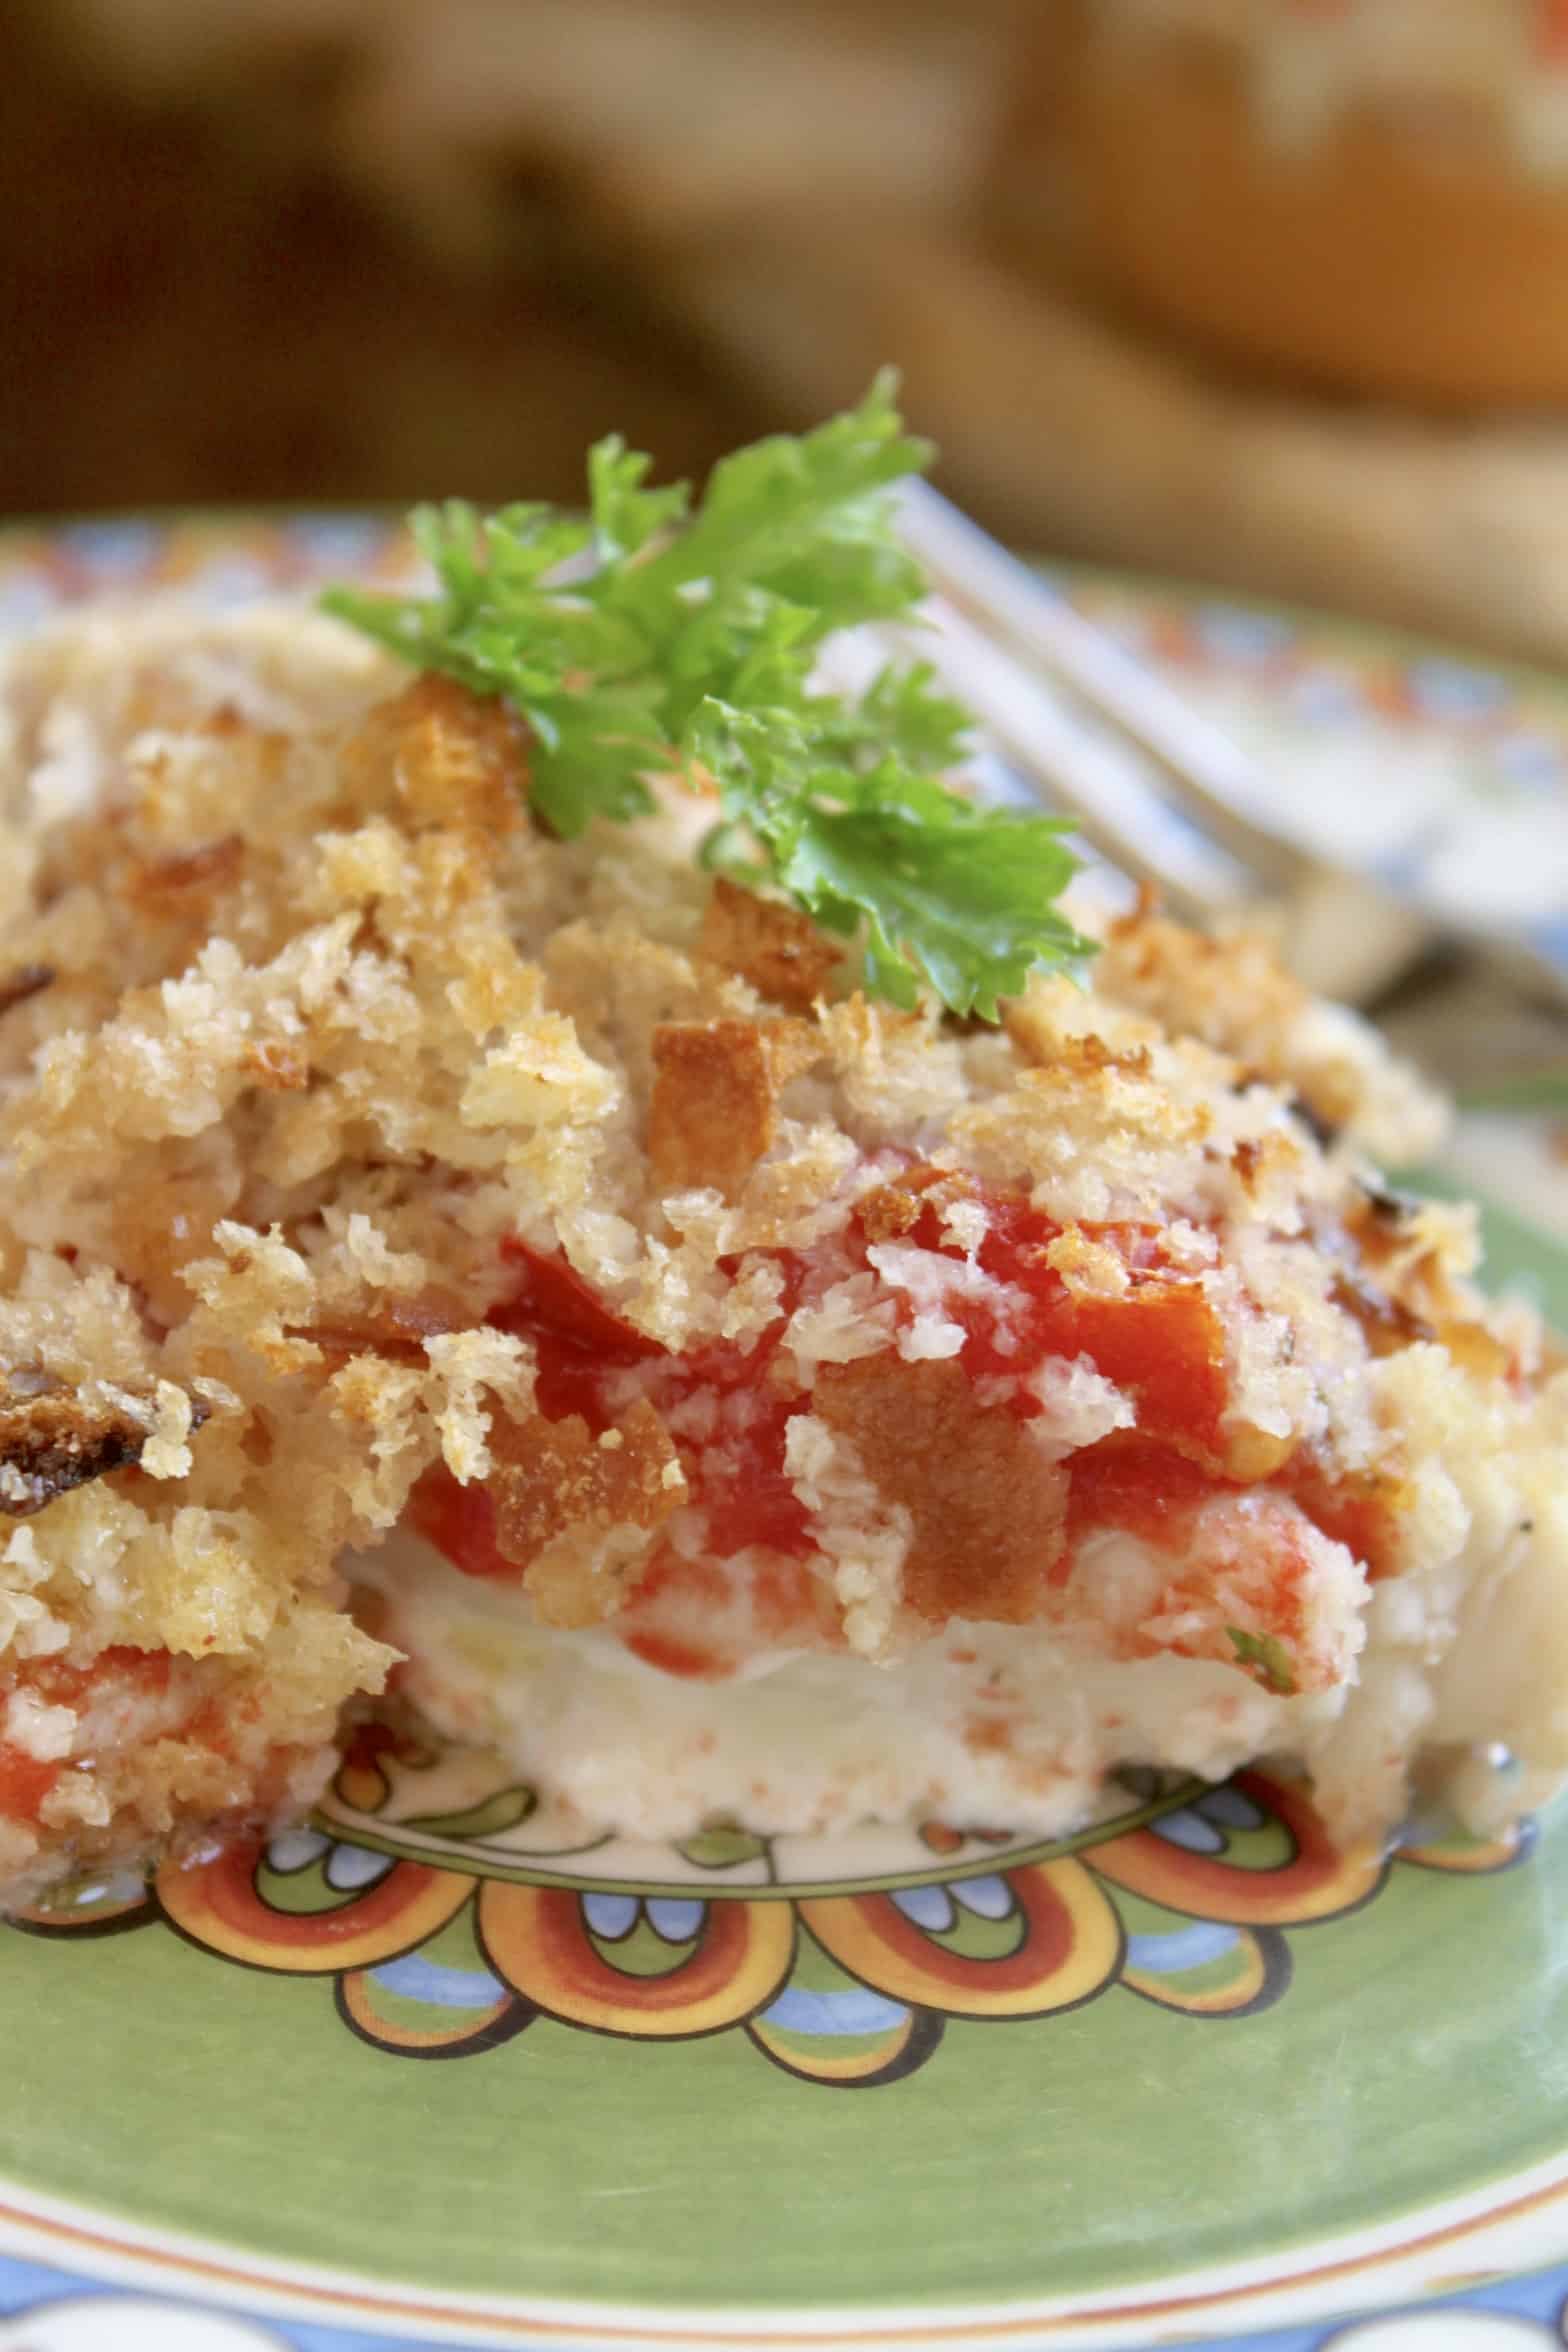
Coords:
562,1182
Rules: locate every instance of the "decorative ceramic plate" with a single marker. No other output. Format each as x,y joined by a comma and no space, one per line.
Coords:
426,2072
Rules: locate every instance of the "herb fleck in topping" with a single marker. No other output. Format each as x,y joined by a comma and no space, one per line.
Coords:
1268,1657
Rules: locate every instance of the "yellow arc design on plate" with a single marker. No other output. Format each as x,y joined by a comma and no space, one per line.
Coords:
1069,1945
538,1940
218,1904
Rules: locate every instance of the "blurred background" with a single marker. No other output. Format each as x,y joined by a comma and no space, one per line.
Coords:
1262,292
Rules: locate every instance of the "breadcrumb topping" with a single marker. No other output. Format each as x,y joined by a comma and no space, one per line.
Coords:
362,1144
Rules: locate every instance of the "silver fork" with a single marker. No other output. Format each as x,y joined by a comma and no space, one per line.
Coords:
1075,720
1070,718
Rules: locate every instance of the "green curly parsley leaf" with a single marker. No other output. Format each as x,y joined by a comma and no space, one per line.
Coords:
646,637
959,894
1269,1656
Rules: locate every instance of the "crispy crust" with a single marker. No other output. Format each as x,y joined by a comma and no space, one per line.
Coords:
398,1329
782,953
23,981
893,1210
179,884
716,1087
986,1503
52,1443
439,756
1232,993
1040,1041
555,1480
278,1066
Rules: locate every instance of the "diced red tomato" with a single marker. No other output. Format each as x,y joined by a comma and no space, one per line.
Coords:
552,1296
25,1781
738,1479
1359,1513
1155,1493
575,1334
1131,1483
1158,1338
673,1616
60,1685
703,1619
738,1476
690,1661
460,1522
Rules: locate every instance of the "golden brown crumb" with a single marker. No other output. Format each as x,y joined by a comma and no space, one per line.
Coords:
1403,1291
23,981
782,953
339,1034
52,1443
890,1212
1040,1040
397,1328
986,1503
158,1226
1220,982
177,884
449,757
1385,1322
1234,994
716,1085
555,1480
893,1210
278,1066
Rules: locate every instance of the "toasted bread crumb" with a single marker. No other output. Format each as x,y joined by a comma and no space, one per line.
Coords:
985,1504
781,952
713,1111
561,1494
442,756
51,1443
23,981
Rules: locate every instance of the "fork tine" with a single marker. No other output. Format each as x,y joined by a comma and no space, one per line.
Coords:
1205,771
1078,770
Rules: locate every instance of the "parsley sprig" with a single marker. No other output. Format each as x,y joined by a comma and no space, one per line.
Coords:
646,636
